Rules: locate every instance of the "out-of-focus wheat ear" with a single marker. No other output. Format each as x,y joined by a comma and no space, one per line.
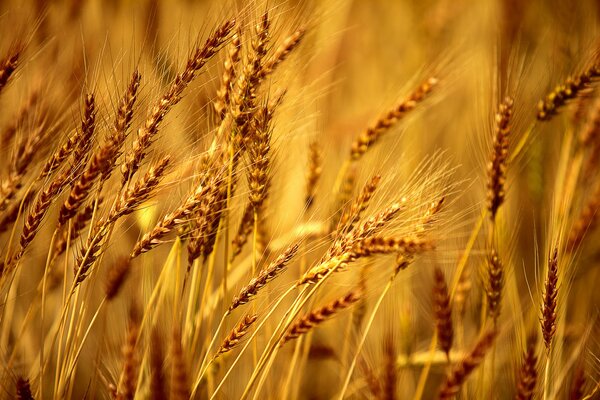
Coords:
315,169
442,309
282,52
497,165
158,389
8,66
23,389
371,379
21,118
179,388
565,92
528,375
586,222
591,129
10,215
342,199
352,214
578,381
494,284
243,232
549,296
366,139
390,369
229,74
317,316
146,134
249,291
237,334
26,150
116,277
461,370
129,375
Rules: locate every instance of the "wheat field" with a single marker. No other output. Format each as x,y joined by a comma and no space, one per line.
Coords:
299,199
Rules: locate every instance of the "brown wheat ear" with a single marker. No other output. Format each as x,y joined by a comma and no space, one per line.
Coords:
320,315
8,67
528,375
179,388
548,320
237,334
117,275
578,381
386,121
572,88
315,169
265,276
196,61
23,389
461,371
129,375
494,284
158,390
442,309
497,165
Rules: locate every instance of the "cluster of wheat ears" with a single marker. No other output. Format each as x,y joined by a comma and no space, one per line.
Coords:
182,218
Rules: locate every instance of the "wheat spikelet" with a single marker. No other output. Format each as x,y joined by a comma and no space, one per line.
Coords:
497,165
23,389
158,390
179,388
585,222
364,141
196,61
461,371
126,204
319,315
578,381
209,210
8,67
571,89
128,377
442,309
527,375
340,253
224,93
390,369
84,141
265,276
175,218
548,319
282,52
117,275
71,233
243,232
237,334
351,215
494,284
315,169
